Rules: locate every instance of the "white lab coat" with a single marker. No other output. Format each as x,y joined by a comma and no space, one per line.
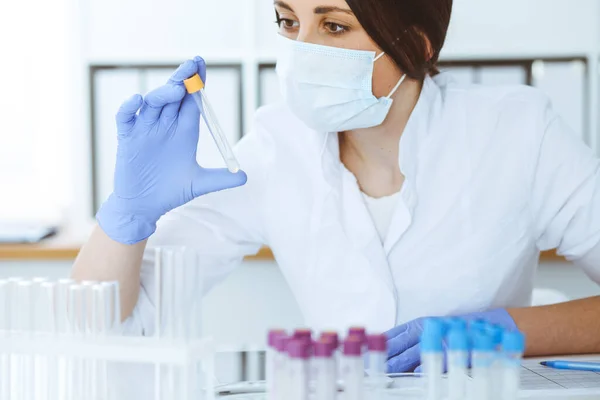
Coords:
493,176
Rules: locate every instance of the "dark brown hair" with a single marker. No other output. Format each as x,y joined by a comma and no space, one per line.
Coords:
401,29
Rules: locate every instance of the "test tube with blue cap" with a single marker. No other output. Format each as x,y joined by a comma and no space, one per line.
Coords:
483,358
432,356
513,347
195,87
496,333
458,362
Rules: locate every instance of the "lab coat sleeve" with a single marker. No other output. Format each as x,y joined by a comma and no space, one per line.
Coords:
566,195
223,227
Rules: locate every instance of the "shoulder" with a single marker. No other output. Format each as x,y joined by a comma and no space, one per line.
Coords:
495,100
513,117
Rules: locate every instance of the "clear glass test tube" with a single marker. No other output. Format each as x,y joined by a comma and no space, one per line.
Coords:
113,300
195,88
46,370
25,296
4,331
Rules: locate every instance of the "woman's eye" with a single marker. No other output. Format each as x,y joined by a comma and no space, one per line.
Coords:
287,24
334,28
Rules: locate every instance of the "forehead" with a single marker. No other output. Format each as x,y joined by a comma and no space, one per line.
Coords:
298,5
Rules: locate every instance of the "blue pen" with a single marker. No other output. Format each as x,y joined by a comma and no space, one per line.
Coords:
573,365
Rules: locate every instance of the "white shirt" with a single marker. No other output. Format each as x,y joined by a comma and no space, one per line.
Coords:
492,176
381,210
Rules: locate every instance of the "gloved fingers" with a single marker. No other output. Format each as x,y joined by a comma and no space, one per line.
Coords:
189,109
126,115
402,338
170,112
187,70
419,369
201,64
156,100
213,180
406,361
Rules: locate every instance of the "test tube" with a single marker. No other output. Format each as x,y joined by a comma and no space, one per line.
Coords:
77,327
298,369
432,356
513,347
377,346
483,358
325,370
47,383
458,362
195,87
62,305
270,363
496,333
113,301
353,368
335,339
281,386
4,331
25,297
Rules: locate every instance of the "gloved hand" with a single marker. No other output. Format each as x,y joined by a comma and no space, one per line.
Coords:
156,169
404,353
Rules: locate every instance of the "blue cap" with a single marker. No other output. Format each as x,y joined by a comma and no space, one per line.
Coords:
458,339
433,335
478,325
496,332
482,341
456,323
513,342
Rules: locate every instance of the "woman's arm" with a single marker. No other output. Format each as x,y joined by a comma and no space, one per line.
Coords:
567,328
156,171
103,259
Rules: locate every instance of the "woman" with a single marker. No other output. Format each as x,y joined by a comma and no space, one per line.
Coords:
386,192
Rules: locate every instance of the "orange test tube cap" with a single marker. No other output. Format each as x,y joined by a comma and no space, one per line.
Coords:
194,84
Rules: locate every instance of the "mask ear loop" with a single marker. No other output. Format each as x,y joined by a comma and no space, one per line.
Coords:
397,86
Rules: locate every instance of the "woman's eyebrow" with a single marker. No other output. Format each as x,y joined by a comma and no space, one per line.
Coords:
283,5
327,10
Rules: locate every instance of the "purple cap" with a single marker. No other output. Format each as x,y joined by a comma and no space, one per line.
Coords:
353,346
358,332
324,348
332,337
298,348
302,333
377,343
273,334
280,342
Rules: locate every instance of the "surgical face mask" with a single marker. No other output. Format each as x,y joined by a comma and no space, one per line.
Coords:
331,89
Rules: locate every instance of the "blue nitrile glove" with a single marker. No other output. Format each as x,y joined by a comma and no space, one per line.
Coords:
156,169
404,353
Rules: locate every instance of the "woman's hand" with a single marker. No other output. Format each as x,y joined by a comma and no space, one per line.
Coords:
156,169
404,352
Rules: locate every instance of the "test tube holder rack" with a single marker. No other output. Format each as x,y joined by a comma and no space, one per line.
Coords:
194,359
